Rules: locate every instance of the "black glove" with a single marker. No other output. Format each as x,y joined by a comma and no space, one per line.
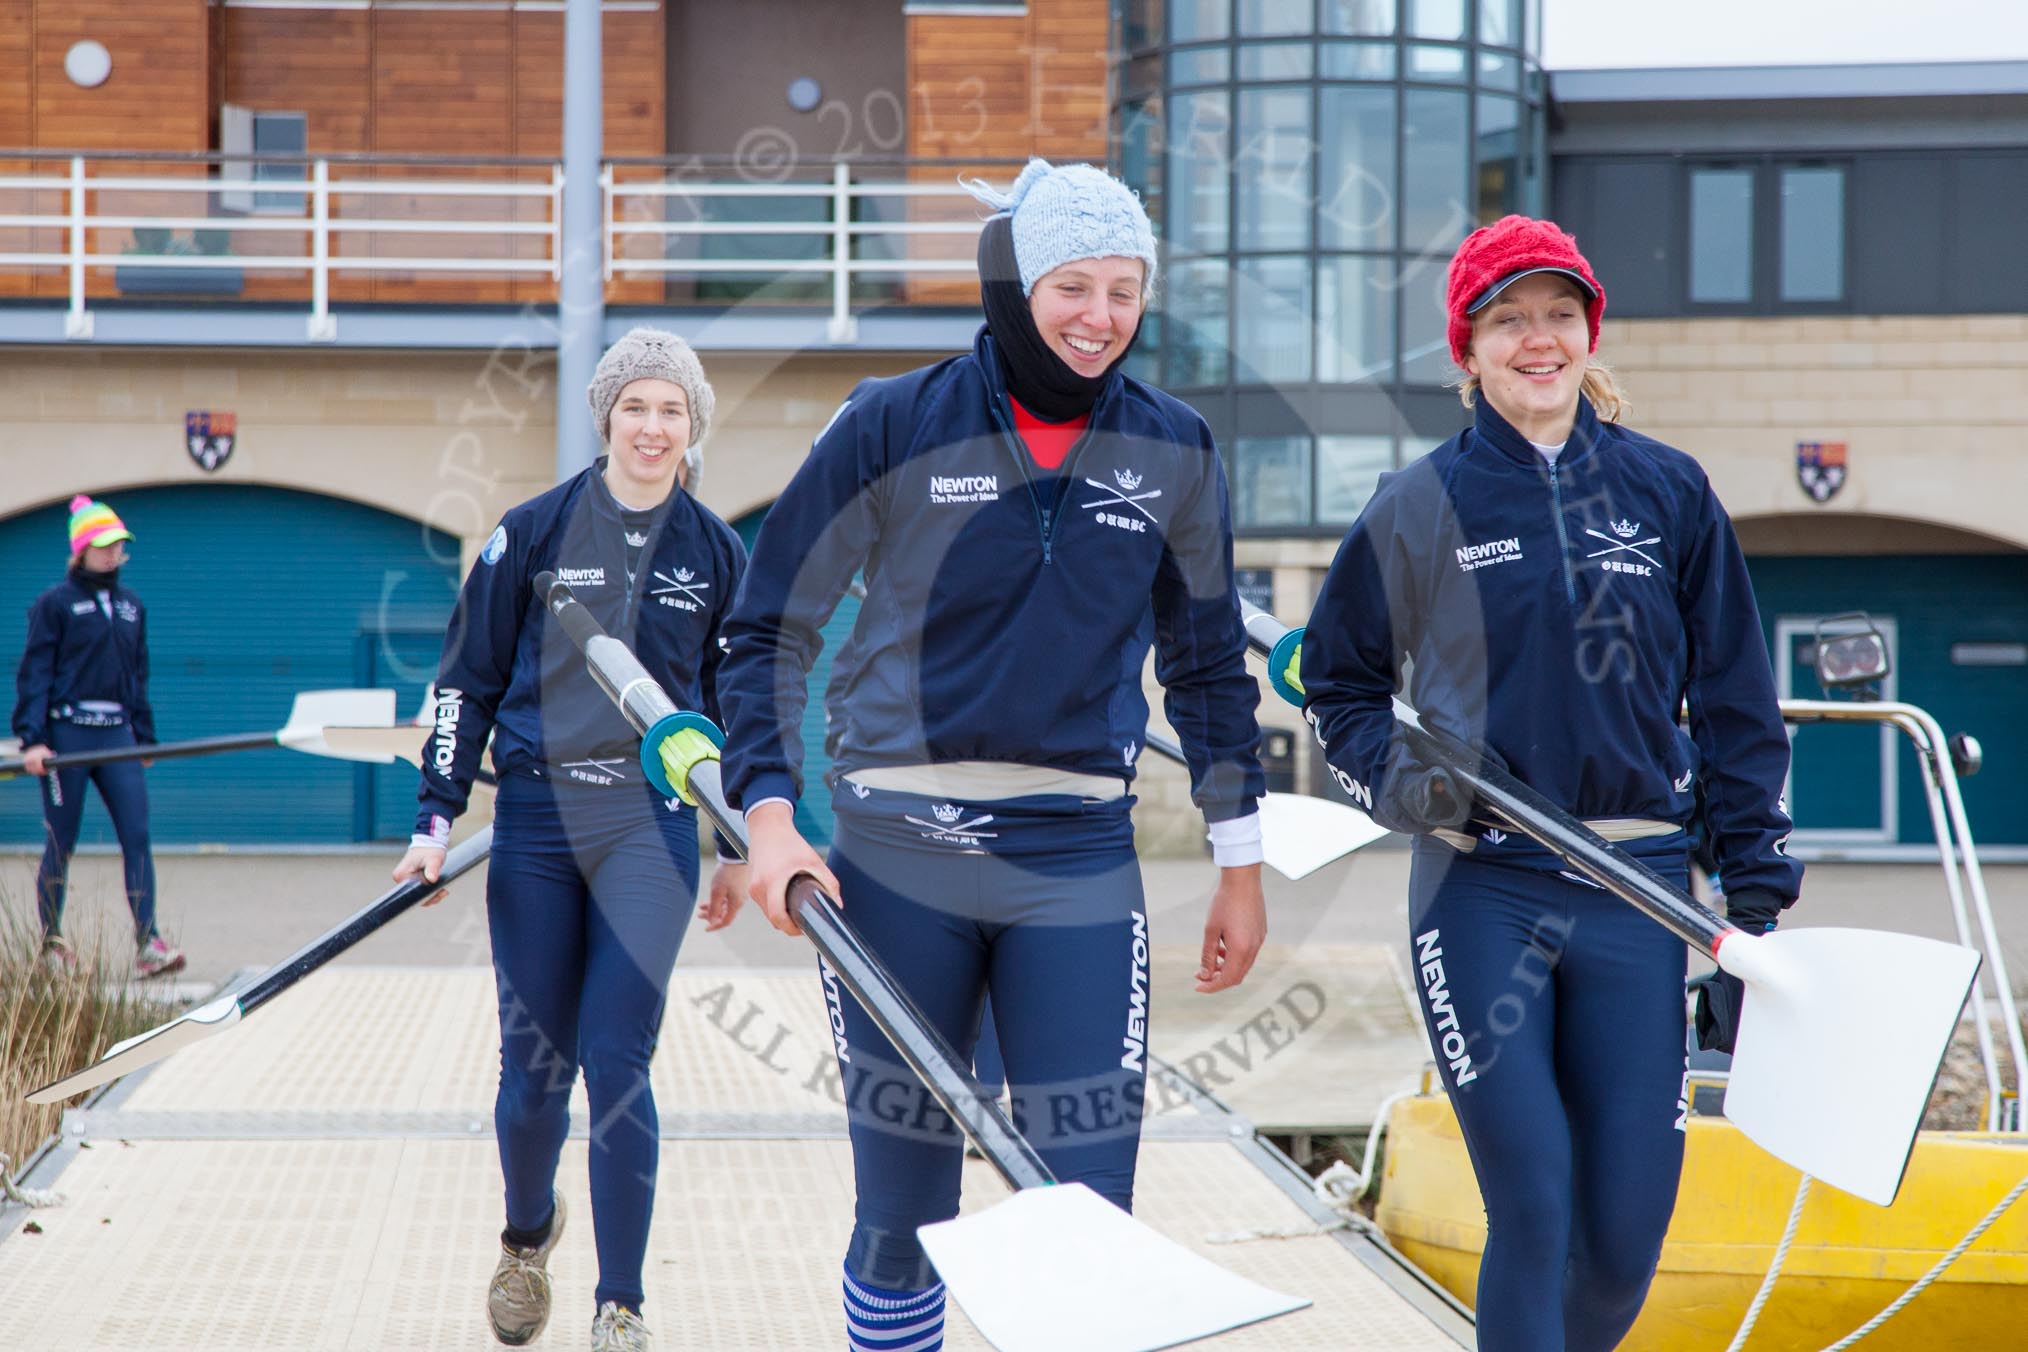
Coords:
1720,995
1421,797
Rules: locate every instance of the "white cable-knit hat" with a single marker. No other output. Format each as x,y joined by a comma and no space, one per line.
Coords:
1063,212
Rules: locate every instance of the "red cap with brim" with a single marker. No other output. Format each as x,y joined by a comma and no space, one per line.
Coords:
1494,257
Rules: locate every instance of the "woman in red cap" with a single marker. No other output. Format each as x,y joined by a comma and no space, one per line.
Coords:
1552,587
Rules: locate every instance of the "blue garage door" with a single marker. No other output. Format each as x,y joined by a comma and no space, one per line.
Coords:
254,594
813,814
1960,639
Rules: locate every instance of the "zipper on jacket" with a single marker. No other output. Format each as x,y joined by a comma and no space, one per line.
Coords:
1562,535
1044,516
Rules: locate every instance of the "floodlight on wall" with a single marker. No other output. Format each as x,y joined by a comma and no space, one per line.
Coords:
88,63
805,94
1851,655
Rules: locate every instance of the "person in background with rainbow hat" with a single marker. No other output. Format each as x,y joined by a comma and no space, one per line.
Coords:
83,686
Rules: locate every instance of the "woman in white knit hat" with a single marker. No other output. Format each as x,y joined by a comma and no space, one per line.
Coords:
1029,522
592,872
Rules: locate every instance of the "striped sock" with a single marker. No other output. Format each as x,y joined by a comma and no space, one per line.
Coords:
893,1321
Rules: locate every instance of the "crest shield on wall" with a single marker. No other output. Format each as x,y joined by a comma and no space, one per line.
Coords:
209,437
1821,468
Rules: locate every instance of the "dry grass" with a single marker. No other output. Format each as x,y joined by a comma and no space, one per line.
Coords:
52,1022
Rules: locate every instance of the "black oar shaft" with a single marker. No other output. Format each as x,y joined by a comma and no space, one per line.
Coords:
644,703
1537,818
390,904
197,746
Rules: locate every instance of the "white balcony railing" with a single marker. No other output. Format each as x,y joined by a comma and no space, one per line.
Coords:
354,230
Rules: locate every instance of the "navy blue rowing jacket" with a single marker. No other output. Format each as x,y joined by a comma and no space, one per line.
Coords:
1560,615
75,652
1008,609
509,669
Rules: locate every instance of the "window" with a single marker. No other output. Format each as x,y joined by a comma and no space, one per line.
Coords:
1271,481
1199,128
1358,60
1355,198
245,132
1193,299
1443,19
1355,320
1500,23
1348,469
1275,61
1276,162
1194,20
1358,18
1273,343
1499,157
1434,160
1813,233
1273,18
1721,236
1200,65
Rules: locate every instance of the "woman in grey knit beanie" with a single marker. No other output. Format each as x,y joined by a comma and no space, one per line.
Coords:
657,359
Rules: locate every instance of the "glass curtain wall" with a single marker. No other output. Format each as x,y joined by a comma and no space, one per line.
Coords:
1310,166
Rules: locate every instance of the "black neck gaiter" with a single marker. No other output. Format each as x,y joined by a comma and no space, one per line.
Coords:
1041,380
90,581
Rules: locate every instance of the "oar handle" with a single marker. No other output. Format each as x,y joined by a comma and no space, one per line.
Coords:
1280,646
670,746
112,755
1522,807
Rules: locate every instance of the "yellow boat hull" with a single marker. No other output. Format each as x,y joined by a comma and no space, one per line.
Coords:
1849,1260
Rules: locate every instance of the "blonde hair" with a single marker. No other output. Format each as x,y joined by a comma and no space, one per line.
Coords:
1600,386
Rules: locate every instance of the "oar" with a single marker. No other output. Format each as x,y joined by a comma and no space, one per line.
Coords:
226,1012
1056,1266
1843,1030
1298,834
312,712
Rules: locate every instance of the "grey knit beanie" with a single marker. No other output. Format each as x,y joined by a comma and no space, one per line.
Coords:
653,354
1071,211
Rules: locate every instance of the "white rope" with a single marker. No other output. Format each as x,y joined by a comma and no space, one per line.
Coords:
1774,1270
1338,1188
1937,1271
28,1197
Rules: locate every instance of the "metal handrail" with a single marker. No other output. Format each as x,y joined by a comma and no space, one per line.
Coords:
1962,874
839,233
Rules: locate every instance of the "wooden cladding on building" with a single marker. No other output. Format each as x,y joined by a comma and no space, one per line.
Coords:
1004,87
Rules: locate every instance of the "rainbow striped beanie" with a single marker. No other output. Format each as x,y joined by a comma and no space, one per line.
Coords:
93,523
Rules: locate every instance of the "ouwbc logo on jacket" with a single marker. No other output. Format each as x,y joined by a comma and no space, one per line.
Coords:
1626,543
1107,508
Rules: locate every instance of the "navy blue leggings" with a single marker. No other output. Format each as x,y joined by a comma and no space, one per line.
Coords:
587,897
1039,901
63,798
1556,1014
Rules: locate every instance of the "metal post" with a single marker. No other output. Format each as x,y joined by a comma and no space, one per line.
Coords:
581,299
78,323
844,328
323,328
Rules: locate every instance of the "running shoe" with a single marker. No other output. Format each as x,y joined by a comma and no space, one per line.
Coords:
517,1301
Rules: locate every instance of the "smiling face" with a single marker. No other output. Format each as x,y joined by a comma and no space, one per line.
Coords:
650,431
1088,309
1530,347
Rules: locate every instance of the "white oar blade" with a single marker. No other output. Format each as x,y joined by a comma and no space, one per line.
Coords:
1061,1269
1839,1045
1301,834
382,744
145,1049
317,711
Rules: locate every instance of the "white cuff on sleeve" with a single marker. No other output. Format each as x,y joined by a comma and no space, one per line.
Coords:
746,814
1235,842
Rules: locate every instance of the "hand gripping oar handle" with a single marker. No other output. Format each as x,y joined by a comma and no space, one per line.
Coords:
1520,806
680,751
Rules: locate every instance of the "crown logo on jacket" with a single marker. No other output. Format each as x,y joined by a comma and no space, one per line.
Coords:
1624,530
945,812
684,575
1128,479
